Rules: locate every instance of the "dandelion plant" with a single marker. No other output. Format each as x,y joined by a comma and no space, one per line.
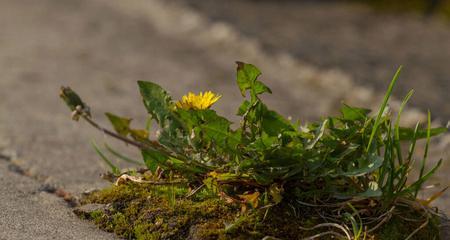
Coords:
350,171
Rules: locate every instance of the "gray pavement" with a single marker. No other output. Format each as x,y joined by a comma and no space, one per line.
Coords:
27,213
366,44
101,48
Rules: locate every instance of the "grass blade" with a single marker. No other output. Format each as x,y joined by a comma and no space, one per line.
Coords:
418,184
122,157
383,107
412,147
115,170
425,155
397,125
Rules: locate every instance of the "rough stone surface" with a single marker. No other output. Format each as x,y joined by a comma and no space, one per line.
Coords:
29,214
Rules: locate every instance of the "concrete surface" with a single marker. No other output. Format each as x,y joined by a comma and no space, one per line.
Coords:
27,213
100,48
366,44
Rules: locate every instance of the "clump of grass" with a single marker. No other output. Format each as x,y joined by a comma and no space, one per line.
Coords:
345,176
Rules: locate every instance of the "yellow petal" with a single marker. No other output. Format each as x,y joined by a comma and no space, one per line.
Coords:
203,100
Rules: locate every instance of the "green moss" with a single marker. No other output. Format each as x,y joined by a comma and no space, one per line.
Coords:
143,212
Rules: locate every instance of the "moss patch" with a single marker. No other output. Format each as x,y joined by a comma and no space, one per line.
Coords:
134,211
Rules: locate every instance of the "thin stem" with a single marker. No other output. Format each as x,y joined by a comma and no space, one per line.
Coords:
115,135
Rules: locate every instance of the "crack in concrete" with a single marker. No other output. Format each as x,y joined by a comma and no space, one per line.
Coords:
17,168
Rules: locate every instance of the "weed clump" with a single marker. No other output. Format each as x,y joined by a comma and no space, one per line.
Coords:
345,176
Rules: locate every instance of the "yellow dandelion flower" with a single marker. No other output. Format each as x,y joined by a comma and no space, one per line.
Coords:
198,102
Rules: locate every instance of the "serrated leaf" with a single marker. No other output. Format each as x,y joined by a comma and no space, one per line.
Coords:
215,127
247,75
261,88
157,102
211,127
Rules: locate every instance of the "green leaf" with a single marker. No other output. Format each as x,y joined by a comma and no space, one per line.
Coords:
273,123
246,79
408,133
369,165
243,108
121,125
157,101
354,113
141,135
262,179
397,126
425,154
261,88
153,159
373,190
186,168
246,76
217,130
318,134
227,176
210,127
190,118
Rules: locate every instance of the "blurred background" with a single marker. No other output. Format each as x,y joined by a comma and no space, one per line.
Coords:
313,54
